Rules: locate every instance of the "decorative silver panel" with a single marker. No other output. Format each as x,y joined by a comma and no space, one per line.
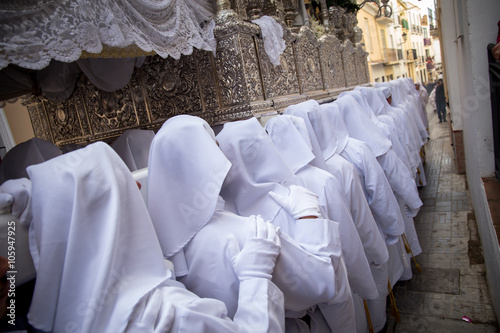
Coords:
172,87
330,55
361,65
278,80
307,59
348,59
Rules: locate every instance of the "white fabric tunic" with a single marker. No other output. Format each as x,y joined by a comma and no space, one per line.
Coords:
99,263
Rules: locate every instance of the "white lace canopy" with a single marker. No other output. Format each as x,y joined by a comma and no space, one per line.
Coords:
32,32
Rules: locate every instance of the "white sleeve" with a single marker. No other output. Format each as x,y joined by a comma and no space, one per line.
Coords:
261,307
380,197
172,308
358,268
373,243
401,180
304,278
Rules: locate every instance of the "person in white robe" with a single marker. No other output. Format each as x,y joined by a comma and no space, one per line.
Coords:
402,100
424,95
133,147
33,151
400,179
259,181
421,98
186,173
290,136
100,266
285,132
352,190
401,97
329,128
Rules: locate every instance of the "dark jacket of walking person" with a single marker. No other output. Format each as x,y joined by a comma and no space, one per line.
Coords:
440,101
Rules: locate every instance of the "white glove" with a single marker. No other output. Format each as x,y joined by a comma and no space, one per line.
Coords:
299,203
18,193
258,256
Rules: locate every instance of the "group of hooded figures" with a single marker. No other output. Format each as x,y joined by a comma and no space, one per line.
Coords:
302,225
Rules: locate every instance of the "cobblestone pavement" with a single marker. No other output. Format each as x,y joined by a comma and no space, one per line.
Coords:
452,283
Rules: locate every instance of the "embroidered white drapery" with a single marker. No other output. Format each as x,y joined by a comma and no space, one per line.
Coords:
32,33
272,34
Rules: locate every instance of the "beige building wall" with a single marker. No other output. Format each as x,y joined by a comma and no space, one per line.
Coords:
19,121
367,23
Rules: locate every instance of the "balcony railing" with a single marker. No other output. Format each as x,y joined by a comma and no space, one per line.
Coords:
427,42
390,55
430,66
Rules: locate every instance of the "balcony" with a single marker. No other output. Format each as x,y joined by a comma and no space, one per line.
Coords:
423,20
434,32
427,42
430,66
390,55
411,55
385,20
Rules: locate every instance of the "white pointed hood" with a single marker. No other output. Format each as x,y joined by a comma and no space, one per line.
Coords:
185,174
301,110
331,140
366,107
361,127
375,98
92,242
289,135
335,121
257,168
133,147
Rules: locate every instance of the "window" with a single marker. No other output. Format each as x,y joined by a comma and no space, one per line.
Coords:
384,39
368,37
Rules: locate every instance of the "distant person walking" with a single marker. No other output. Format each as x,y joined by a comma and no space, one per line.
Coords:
440,101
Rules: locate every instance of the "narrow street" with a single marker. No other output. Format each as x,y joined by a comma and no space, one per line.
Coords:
452,283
